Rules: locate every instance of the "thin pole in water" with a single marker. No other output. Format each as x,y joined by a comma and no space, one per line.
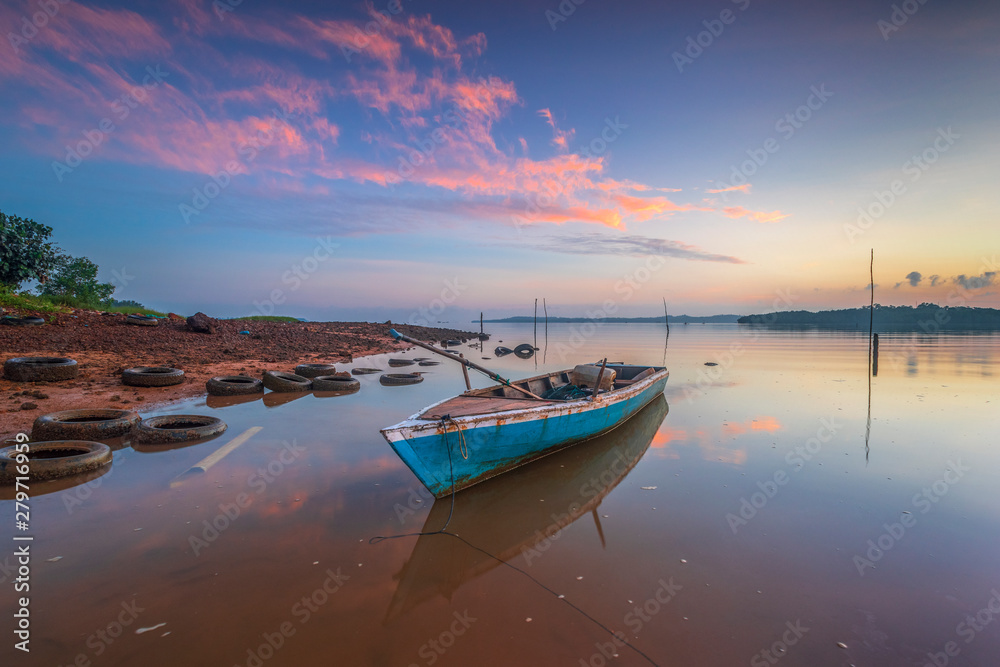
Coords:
536,323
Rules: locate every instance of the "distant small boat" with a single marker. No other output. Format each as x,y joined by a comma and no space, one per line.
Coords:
463,440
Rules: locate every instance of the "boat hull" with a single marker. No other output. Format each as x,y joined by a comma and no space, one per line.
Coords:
496,443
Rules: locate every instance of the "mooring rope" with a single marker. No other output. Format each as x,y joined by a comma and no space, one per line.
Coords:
444,531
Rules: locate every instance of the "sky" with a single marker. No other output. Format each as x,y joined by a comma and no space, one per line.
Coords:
423,160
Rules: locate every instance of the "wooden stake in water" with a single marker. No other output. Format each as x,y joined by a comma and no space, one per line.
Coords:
536,323
666,318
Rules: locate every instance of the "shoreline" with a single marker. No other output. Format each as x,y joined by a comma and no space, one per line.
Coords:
104,344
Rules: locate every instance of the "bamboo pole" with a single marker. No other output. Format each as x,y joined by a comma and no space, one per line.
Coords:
465,373
597,385
462,360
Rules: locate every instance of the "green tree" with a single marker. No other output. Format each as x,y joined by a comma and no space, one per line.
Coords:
25,251
76,278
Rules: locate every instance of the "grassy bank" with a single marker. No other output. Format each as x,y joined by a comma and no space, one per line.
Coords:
43,305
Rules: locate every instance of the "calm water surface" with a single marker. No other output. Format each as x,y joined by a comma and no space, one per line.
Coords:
743,520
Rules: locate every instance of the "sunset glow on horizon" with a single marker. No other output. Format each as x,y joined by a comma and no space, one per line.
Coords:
357,161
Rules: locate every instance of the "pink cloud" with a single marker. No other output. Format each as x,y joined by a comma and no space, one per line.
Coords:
757,216
745,188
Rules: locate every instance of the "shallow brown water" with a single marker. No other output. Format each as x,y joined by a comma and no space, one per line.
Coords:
640,531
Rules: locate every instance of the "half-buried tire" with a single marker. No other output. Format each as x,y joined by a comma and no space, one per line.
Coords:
365,371
280,381
49,460
315,370
395,379
98,424
335,383
401,362
142,320
40,369
152,376
168,429
233,385
22,321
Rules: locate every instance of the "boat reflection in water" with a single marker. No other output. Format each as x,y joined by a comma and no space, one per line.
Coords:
504,516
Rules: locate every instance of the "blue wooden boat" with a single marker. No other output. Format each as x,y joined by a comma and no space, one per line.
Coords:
481,433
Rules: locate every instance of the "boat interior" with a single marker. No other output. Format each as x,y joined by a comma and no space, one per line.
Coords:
560,386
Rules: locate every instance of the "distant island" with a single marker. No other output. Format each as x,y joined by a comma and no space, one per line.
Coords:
679,319
926,317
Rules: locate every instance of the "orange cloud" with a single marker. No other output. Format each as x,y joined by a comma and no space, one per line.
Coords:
745,188
757,216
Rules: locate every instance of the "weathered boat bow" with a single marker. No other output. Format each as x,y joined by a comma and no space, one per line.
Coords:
481,433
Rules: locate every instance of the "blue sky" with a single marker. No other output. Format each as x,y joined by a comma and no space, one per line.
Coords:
719,155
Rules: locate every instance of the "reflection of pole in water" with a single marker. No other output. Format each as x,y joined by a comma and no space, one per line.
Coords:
871,340
666,341
545,308
875,355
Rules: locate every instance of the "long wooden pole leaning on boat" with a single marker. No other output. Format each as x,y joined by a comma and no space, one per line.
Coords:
462,360
597,385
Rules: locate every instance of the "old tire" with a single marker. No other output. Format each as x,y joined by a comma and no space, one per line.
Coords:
168,429
40,369
395,379
429,363
152,376
91,425
49,460
502,351
335,383
22,321
142,320
365,371
401,362
233,385
280,381
524,351
315,370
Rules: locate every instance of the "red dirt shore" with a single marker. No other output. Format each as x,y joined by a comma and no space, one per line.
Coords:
103,345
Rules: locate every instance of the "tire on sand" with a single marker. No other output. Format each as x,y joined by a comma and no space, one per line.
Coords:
49,460
97,424
22,321
152,376
315,370
233,385
142,320
396,379
281,381
40,369
168,429
335,383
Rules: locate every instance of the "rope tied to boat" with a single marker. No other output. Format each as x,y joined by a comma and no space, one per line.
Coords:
463,447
